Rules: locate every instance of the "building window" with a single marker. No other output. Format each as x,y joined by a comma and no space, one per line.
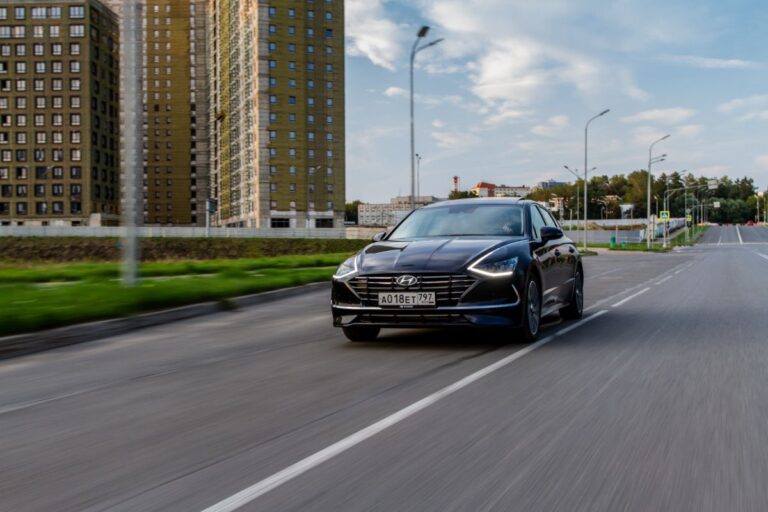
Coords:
273,187
76,12
77,31
323,223
272,11
280,223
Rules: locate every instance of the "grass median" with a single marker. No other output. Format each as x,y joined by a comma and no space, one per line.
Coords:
37,273
30,307
33,298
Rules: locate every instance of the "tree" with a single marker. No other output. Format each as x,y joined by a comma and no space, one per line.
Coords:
350,211
461,194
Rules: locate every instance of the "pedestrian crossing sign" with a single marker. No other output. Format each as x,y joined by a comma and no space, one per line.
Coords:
664,215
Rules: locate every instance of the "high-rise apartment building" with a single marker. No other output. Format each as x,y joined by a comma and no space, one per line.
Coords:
175,100
59,108
277,112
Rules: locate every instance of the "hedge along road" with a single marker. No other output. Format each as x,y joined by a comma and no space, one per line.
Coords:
186,416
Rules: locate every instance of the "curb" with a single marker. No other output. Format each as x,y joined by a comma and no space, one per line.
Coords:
30,343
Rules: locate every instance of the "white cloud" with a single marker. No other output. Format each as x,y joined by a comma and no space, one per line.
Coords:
689,130
454,140
395,92
710,62
762,161
371,34
646,134
661,115
437,123
552,127
740,104
749,108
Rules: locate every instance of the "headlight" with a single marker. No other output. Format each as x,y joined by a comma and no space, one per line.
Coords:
347,268
492,267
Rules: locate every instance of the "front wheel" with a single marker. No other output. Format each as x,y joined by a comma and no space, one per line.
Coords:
575,309
529,330
361,333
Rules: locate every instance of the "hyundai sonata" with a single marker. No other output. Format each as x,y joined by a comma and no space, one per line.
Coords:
502,263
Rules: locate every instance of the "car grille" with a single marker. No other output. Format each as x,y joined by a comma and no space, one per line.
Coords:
448,288
419,319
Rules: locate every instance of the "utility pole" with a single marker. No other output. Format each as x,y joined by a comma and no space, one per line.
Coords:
130,44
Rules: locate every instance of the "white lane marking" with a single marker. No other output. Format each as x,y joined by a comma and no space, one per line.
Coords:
665,279
249,494
720,240
571,327
624,301
741,241
678,271
762,255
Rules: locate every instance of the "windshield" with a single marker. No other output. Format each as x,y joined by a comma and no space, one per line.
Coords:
462,220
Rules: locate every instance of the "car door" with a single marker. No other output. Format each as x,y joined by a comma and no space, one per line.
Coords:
565,256
544,253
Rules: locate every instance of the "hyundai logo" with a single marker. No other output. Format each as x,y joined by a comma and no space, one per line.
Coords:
406,281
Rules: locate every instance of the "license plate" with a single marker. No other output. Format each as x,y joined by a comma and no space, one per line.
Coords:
407,299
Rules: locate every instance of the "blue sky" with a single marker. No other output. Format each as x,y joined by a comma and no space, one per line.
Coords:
505,97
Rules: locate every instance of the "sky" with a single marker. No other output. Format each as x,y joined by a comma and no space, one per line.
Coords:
505,97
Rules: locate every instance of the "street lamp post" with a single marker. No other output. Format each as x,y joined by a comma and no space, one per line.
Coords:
586,166
423,31
650,162
575,173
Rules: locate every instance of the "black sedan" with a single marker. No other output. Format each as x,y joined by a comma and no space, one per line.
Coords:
500,263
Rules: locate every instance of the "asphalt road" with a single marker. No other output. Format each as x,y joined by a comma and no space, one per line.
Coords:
657,402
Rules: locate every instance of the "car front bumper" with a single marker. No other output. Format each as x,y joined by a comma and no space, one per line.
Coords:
496,315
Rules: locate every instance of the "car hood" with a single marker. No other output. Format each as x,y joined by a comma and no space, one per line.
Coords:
449,254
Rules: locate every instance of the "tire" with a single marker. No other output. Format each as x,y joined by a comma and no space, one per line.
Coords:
361,333
575,309
531,322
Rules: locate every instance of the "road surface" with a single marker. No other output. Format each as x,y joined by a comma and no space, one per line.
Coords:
657,401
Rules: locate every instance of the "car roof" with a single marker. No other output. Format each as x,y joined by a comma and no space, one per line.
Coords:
483,200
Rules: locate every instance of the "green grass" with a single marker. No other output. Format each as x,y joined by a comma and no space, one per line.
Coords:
675,241
26,307
15,273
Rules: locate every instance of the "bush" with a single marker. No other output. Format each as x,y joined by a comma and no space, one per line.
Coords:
73,249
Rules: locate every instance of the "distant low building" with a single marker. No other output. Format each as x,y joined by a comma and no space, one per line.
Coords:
546,185
485,189
389,214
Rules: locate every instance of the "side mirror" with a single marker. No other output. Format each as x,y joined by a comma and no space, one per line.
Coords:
551,233
378,237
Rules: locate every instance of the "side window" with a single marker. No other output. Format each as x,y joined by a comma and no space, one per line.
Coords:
548,219
536,223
